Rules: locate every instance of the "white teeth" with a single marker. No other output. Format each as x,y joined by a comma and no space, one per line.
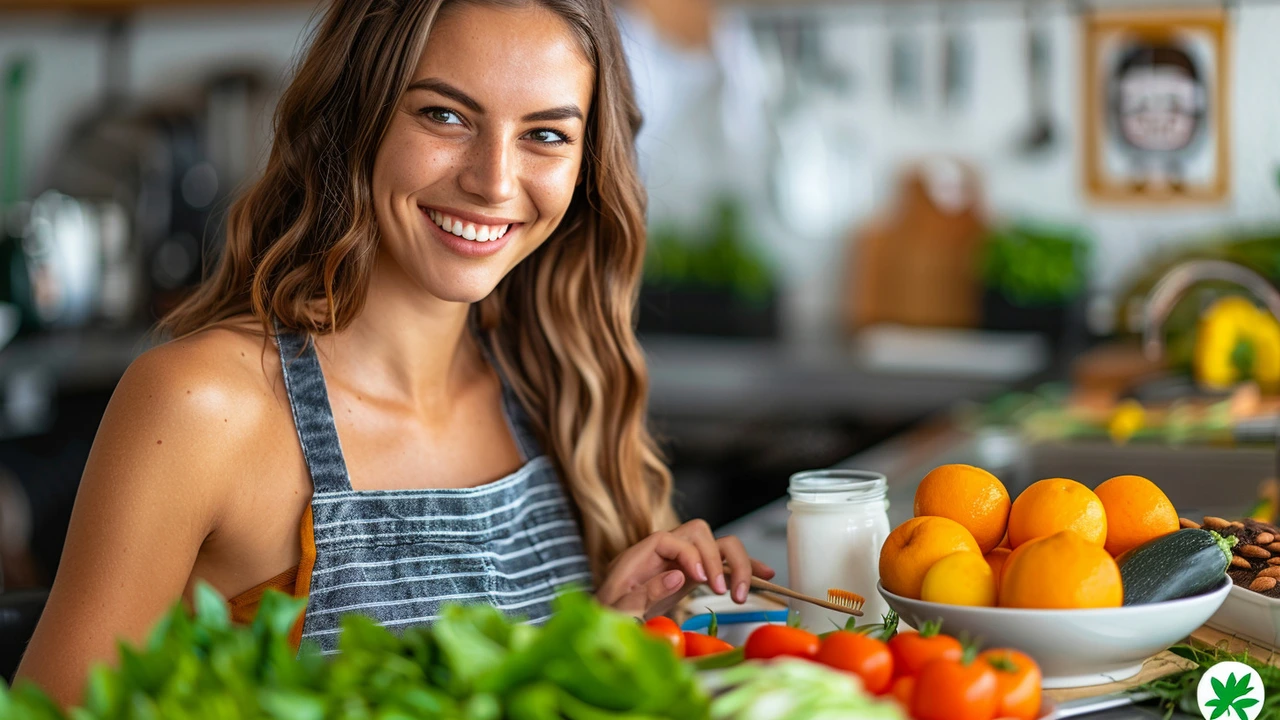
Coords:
468,231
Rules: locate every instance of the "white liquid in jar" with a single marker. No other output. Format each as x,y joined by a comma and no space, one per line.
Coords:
834,535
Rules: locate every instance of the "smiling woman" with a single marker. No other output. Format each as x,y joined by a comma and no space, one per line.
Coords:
413,377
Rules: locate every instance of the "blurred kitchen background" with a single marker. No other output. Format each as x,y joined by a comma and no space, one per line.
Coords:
868,217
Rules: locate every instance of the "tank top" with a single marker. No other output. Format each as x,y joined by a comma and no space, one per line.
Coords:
398,555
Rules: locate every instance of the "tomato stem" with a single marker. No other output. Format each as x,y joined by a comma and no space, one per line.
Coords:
1002,663
930,628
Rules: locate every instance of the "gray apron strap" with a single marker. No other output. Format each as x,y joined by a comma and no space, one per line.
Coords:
312,415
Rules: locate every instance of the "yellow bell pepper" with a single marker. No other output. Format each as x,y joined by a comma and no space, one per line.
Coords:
1236,342
1129,417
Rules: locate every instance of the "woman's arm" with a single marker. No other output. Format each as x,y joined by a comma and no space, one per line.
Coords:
152,491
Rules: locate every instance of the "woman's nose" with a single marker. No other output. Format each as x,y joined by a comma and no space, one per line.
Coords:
490,171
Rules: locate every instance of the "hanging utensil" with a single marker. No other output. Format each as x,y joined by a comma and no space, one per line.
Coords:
957,55
1042,134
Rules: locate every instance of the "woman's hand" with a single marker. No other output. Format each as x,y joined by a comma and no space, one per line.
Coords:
651,576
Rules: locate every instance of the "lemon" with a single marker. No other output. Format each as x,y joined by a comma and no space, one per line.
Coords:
961,578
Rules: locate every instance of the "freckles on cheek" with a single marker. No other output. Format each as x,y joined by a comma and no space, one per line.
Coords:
556,188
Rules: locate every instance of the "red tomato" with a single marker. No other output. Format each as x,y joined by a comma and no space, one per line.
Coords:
1017,683
951,690
902,690
863,656
773,640
911,650
697,645
666,629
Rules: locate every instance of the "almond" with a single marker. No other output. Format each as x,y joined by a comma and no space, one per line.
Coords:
1274,561
1263,538
1237,561
1183,522
1262,584
1274,547
1215,523
1253,551
1235,526
1271,572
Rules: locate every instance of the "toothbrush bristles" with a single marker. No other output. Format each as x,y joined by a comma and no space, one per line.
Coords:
844,598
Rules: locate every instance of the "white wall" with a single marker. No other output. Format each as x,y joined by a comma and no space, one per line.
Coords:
986,129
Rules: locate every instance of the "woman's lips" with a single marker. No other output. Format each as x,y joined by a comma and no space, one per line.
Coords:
461,244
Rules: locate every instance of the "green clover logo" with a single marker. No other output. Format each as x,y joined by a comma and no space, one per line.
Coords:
1231,691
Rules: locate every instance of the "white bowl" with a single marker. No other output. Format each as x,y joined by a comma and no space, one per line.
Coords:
1074,648
1251,615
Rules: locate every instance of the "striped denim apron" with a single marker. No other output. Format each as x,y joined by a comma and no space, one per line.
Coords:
398,555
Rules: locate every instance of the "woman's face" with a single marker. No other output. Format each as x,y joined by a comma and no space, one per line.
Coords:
484,152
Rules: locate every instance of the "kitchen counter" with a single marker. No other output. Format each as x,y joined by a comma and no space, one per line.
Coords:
890,376
905,459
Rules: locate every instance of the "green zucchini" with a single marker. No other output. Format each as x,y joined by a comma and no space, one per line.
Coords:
1177,565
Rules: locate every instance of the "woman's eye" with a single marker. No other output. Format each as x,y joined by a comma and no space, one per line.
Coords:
441,115
548,137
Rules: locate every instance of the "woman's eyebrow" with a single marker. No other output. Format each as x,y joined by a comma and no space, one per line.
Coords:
440,87
564,112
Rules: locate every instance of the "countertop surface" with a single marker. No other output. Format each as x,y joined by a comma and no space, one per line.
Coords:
764,532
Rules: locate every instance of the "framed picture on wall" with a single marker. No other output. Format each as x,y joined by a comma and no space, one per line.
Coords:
1155,86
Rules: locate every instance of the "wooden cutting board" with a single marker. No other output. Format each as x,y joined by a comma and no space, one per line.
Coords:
1166,663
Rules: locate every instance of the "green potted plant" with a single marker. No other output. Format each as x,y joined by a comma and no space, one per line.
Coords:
708,282
1032,277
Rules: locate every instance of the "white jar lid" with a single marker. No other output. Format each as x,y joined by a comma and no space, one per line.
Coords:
837,486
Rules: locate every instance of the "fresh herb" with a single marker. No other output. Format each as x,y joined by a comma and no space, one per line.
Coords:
1178,691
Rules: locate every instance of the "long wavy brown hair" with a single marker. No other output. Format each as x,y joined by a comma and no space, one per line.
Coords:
559,324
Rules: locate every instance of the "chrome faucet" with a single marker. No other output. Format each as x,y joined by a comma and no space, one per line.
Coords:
1176,282
1170,288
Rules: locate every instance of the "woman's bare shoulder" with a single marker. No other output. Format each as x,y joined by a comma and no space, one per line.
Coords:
217,391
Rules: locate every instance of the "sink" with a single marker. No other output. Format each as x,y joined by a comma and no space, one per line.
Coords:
1199,480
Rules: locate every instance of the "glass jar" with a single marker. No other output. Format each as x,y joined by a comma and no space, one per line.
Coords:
838,521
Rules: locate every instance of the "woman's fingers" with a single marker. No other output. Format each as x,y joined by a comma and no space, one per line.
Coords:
654,574
699,533
642,600
735,556
762,571
646,560
682,552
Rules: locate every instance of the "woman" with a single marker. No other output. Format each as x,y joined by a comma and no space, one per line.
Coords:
417,348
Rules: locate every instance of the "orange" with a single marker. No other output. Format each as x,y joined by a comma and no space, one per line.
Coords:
996,559
1051,506
1062,570
914,546
961,578
1137,511
969,495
